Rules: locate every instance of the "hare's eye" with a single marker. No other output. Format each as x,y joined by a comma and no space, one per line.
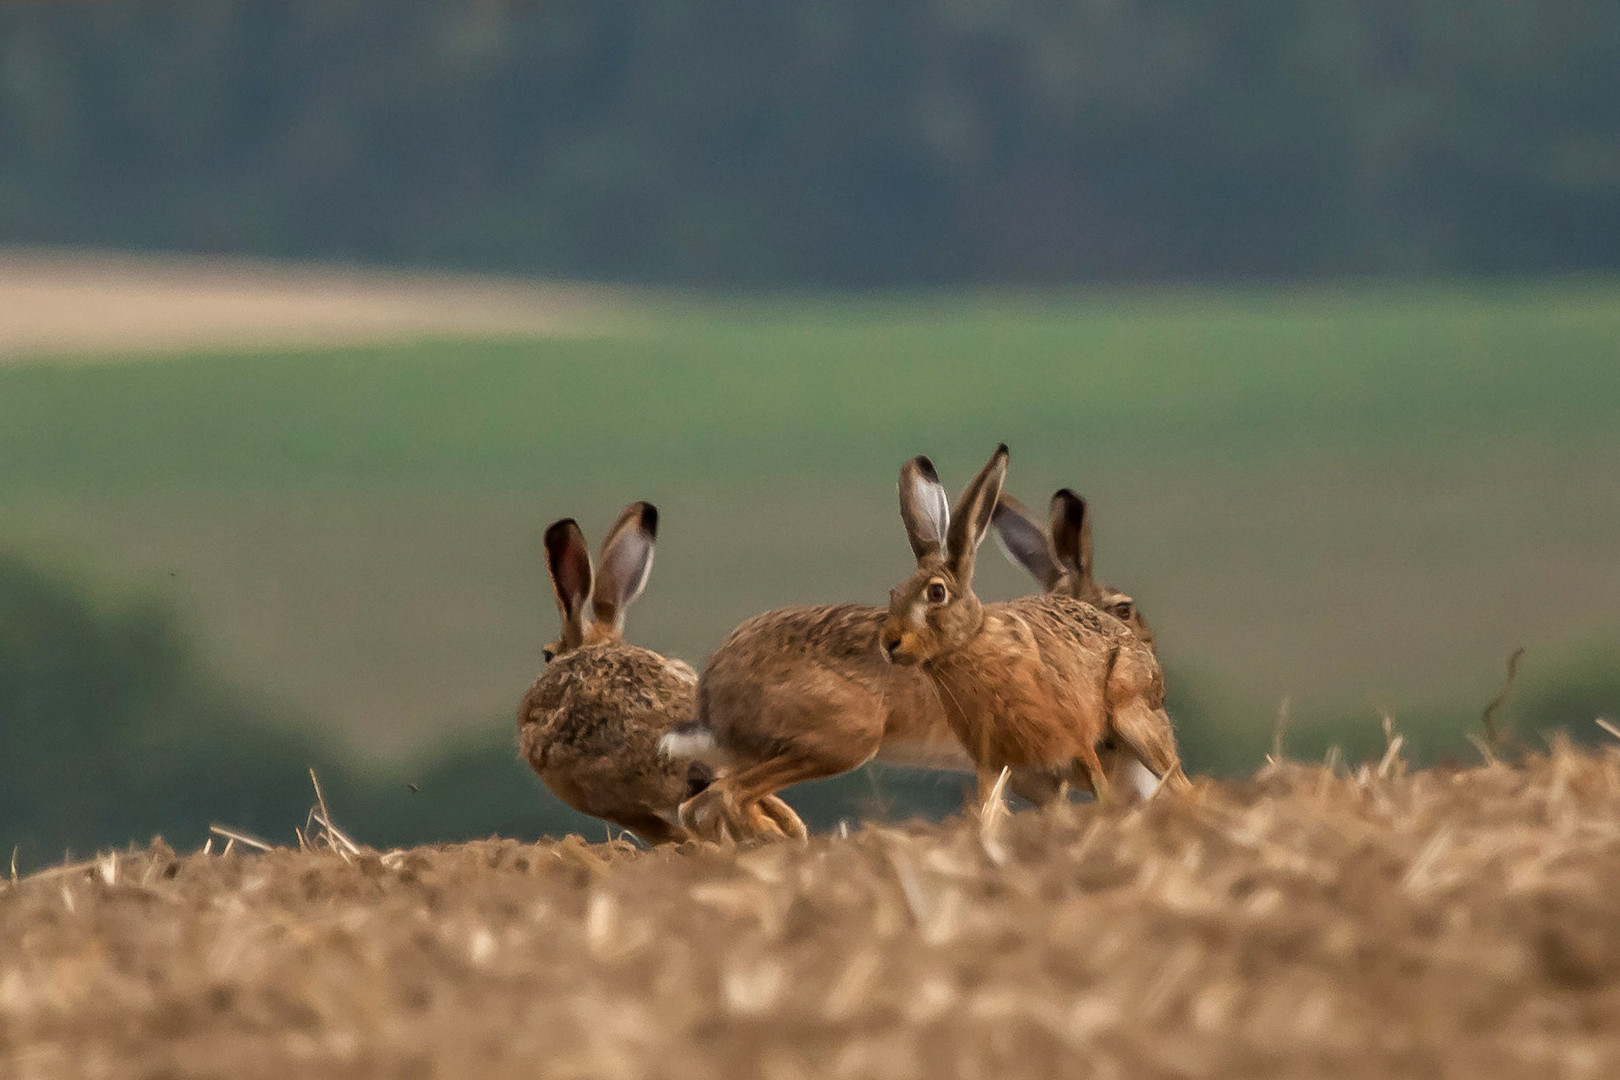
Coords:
936,592
1123,610
548,654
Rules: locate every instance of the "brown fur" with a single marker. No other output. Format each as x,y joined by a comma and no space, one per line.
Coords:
1059,556
590,725
803,693
1045,686
1041,686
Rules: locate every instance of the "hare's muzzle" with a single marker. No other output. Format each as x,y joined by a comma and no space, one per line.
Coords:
894,650
891,645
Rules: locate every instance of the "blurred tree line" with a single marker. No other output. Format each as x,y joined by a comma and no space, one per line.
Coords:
112,731
838,142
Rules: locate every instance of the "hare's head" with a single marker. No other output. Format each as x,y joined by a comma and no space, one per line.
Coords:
1058,555
935,611
592,601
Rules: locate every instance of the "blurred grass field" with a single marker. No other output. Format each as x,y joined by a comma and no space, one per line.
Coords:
1357,499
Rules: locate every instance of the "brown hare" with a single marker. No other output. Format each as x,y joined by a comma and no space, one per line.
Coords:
1058,555
1042,686
591,722
800,693
1060,559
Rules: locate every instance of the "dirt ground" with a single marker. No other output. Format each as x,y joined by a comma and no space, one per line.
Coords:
1305,923
103,305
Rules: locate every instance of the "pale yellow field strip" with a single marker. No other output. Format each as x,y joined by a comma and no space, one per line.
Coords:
66,304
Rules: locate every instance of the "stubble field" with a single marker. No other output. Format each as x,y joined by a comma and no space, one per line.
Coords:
1311,921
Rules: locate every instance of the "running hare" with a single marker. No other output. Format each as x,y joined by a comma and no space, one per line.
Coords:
591,722
800,693
1039,685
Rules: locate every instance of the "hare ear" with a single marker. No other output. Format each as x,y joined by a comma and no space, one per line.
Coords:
1071,536
570,564
974,510
1024,541
627,556
924,508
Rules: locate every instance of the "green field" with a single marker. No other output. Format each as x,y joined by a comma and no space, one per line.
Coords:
1357,499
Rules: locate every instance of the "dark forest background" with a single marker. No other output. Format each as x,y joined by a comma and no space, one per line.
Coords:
830,143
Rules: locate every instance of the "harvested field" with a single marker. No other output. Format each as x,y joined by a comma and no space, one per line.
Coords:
1309,922
80,303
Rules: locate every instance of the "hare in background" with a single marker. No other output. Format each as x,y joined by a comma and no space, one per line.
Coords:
1060,558
1058,555
1043,685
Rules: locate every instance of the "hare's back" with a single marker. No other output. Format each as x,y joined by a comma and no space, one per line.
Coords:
1065,629
842,637
1065,618
608,701
1072,634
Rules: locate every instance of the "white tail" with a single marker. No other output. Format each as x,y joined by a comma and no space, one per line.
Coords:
689,744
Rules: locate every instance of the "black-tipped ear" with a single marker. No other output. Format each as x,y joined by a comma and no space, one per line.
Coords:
1024,541
1071,534
924,508
626,562
971,522
569,562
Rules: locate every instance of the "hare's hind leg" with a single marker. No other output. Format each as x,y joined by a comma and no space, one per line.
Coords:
1089,769
784,816
755,790
708,815
732,809
1127,774
821,728
833,730
1146,733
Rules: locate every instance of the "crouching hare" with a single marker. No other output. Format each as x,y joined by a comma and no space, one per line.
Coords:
591,722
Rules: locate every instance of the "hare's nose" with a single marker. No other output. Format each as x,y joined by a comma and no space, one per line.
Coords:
890,647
